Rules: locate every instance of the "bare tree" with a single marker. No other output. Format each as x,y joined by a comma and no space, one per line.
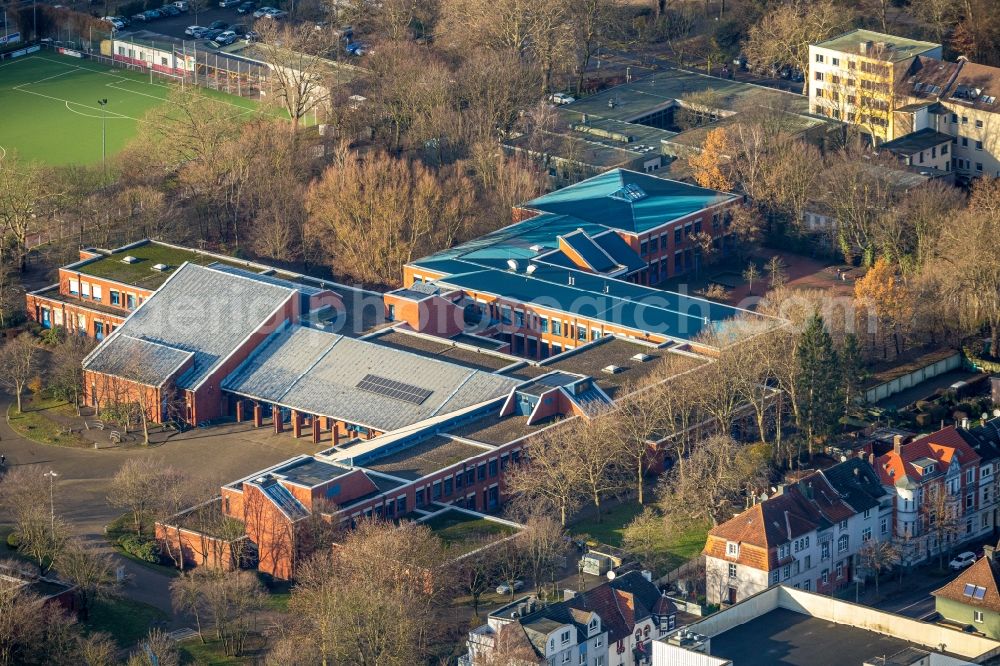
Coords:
18,364
719,474
783,35
144,487
940,518
543,541
301,78
91,570
644,538
602,466
40,533
550,479
27,197
157,649
878,556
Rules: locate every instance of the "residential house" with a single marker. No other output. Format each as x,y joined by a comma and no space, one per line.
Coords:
972,599
934,481
852,77
806,536
609,625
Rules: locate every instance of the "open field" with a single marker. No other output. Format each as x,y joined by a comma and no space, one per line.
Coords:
51,111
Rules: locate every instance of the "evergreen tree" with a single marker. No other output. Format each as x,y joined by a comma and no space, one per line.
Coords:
852,369
819,390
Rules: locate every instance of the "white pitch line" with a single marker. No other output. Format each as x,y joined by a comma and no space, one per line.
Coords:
67,102
90,115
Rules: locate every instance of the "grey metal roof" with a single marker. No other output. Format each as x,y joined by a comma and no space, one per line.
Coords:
318,373
140,360
267,279
203,310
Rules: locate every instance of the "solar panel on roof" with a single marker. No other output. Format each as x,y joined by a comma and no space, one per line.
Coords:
390,388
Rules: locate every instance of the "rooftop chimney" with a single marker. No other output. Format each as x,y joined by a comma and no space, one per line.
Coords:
988,552
897,444
864,47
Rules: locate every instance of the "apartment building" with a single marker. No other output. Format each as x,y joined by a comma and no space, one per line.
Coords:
935,484
805,536
612,624
853,78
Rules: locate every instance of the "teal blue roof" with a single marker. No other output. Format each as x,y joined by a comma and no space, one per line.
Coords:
628,200
589,216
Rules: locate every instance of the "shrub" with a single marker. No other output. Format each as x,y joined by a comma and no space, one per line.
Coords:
144,549
13,541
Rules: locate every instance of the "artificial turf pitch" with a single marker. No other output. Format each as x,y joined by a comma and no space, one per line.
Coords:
49,110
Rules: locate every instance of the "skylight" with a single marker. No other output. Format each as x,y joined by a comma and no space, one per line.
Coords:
975,591
629,193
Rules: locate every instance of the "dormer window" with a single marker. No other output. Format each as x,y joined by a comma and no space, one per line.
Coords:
732,549
564,637
593,624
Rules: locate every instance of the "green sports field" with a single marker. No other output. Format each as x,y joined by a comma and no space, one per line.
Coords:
49,110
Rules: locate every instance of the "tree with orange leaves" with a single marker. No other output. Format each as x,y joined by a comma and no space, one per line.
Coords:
708,164
888,302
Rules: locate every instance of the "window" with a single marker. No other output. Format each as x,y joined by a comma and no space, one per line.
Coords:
965,120
654,244
843,525
979,166
868,514
786,571
116,298
977,616
644,248
840,570
969,501
583,658
564,637
825,576
824,550
883,525
944,149
599,642
436,491
677,235
599,661
732,549
448,483
979,124
493,468
566,657
979,145
732,570
807,585
481,471
556,327
96,293
954,117
843,543
774,577
130,302
74,287
783,551
866,534
836,62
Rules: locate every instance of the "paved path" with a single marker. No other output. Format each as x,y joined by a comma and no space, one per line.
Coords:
209,456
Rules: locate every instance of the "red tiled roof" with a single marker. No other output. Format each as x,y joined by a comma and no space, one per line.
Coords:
940,446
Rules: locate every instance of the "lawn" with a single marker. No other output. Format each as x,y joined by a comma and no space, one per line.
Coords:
677,547
126,620
35,422
51,112
208,654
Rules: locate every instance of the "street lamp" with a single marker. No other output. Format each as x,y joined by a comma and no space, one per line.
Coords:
104,135
52,506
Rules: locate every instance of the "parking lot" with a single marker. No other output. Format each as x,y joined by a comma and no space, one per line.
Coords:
173,26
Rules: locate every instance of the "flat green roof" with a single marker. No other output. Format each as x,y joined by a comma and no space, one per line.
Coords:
150,253
463,532
897,48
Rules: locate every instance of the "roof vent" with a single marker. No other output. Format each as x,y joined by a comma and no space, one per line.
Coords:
612,369
160,267
130,260
536,248
642,358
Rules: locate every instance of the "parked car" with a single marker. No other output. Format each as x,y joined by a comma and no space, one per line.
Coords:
200,33
225,38
152,14
276,14
251,36
561,98
229,3
193,30
211,34
357,48
246,8
141,16
114,21
169,10
505,588
260,13
218,25
182,5
962,560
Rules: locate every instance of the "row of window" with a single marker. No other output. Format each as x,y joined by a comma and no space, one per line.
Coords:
95,293
54,317
139,55
452,484
965,144
965,120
